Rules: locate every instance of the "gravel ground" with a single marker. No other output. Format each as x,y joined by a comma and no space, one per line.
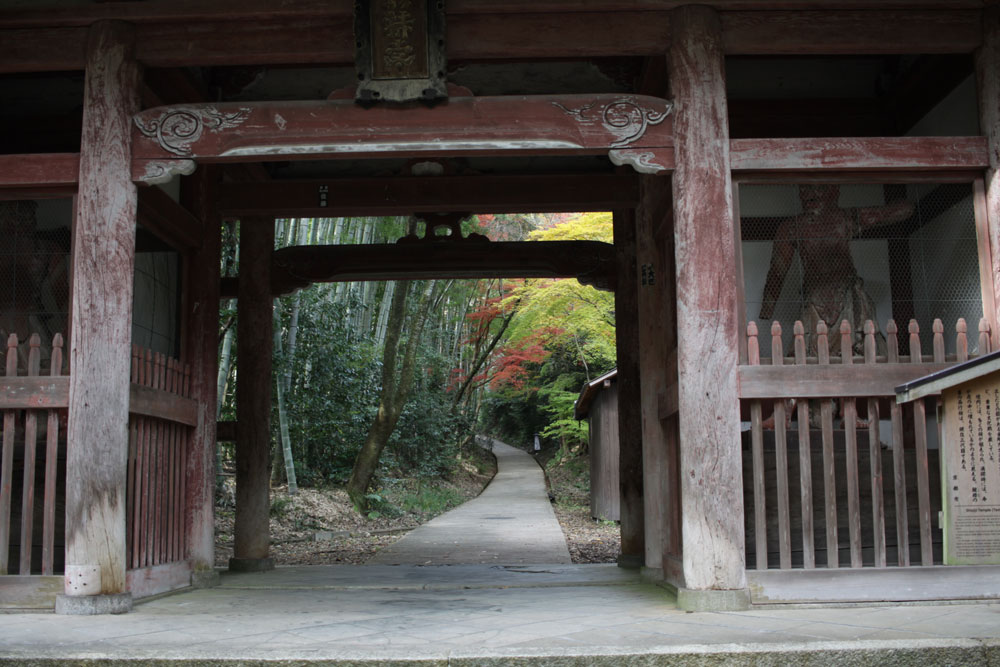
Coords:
589,540
319,526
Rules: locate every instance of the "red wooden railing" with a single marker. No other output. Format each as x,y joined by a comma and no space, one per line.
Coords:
826,383
26,401
34,406
159,436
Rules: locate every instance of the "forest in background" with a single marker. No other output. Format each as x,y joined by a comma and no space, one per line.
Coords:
408,371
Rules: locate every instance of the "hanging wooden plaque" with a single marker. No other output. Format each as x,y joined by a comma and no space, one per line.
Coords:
400,51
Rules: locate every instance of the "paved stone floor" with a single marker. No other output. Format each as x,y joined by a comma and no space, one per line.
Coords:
495,610
511,523
482,614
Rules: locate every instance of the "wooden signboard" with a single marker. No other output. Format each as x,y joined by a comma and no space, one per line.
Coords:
969,415
970,472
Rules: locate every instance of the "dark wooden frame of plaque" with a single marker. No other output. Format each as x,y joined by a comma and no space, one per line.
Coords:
425,80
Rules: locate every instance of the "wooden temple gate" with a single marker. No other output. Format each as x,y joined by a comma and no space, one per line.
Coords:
685,361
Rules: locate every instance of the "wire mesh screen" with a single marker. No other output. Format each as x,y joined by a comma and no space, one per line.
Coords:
34,269
860,252
155,301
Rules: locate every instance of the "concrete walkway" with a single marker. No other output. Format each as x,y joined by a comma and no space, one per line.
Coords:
510,523
503,613
566,615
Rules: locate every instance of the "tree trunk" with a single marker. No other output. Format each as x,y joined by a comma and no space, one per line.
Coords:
383,314
286,442
381,428
394,391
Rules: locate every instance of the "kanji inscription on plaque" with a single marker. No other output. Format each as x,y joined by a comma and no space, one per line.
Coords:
970,472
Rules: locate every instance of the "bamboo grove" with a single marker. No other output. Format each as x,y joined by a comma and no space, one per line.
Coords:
392,378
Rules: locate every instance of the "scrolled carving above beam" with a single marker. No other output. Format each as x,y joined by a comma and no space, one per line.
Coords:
514,125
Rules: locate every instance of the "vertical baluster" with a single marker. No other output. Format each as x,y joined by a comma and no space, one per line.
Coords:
149,513
141,468
920,435
898,456
875,455
781,458
938,345
185,441
131,529
171,476
148,470
984,336
757,447
850,411
30,454
961,340
161,467
167,475
51,459
7,463
175,486
829,470
805,459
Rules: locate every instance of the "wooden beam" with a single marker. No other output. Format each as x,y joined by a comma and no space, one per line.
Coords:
860,154
829,381
103,260
522,193
42,49
164,405
153,580
850,32
707,328
58,170
591,262
514,125
224,34
35,393
168,220
191,11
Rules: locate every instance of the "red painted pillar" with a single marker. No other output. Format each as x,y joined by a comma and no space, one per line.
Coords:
629,413
103,259
254,342
707,283
202,353
988,85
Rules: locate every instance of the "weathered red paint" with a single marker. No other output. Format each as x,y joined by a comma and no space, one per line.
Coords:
987,66
708,353
514,125
103,261
859,154
232,33
201,350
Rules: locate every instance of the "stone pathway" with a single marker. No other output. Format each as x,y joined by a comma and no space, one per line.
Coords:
510,523
480,615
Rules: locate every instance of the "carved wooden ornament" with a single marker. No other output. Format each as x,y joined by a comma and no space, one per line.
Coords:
634,129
